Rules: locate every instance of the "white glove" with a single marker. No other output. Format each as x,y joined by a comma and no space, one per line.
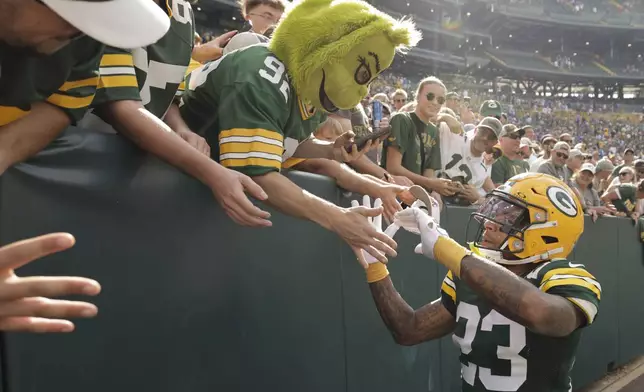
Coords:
423,224
376,223
424,202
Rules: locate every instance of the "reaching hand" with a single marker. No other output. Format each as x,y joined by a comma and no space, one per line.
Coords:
427,227
229,187
214,49
24,305
353,226
342,143
376,223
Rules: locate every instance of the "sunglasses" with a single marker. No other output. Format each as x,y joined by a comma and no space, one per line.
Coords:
562,155
624,174
513,136
432,96
569,141
401,100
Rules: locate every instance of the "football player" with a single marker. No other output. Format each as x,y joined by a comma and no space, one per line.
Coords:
139,87
515,305
49,59
256,105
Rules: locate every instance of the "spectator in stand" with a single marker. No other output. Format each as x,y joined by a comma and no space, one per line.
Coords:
412,149
491,108
555,165
603,170
399,98
262,15
625,199
582,183
626,176
629,157
453,102
574,162
526,152
639,168
510,163
567,138
547,143
529,132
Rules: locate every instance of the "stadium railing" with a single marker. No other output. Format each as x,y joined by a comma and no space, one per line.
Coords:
193,302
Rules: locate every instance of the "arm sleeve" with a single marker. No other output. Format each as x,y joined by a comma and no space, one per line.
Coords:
118,78
252,123
75,96
575,283
399,134
448,293
498,173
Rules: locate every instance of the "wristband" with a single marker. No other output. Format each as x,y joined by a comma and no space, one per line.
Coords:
450,254
376,272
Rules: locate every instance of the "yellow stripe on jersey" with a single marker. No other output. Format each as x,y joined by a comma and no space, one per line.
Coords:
194,64
251,162
9,114
448,286
117,60
251,146
244,132
292,162
571,282
91,82
69,102
118,81
567,271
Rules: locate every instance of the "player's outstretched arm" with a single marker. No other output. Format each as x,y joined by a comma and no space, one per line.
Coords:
408,326
519,300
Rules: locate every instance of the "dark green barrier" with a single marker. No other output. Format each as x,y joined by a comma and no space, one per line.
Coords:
192,302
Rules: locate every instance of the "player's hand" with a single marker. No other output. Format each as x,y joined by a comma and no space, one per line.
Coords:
353,226
230,188
376,223
24,302
428,228
196,141
214,49
345,142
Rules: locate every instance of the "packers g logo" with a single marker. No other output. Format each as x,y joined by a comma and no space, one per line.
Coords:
563,201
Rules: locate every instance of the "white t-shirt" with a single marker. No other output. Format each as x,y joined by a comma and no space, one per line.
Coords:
534,166
457,159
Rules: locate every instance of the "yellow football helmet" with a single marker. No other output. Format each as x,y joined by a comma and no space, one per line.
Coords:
539,216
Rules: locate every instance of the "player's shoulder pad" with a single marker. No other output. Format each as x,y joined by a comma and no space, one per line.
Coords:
551,268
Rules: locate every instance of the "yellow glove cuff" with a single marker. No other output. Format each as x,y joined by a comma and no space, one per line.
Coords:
376,272
450,254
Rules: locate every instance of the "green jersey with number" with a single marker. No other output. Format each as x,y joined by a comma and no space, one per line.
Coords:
404,136
627,200
66,79
248,111
153,74
498,354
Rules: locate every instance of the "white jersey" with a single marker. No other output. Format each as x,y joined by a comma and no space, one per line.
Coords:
457,159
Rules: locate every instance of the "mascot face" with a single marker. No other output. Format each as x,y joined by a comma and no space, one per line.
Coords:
333,49
341,85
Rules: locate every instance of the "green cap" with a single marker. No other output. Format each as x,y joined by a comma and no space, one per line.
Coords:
491,108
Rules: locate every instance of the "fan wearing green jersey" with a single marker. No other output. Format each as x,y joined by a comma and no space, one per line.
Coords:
137,94
49,58
513,302
257,104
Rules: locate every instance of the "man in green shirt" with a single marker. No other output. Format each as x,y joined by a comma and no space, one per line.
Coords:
629,157
625,198
510,163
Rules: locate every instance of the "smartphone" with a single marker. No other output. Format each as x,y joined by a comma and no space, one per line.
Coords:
362,141
376,114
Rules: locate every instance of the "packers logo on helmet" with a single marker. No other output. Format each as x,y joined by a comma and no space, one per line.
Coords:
531,218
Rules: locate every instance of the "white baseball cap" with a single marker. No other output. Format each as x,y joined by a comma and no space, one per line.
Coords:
126,24
588,167
243,40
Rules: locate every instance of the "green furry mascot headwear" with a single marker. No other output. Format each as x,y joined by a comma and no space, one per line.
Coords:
333,49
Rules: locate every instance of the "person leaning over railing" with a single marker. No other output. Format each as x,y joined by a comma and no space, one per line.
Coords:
625,198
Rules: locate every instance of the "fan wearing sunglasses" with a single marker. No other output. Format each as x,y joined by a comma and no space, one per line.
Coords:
555,166
412,149
510,163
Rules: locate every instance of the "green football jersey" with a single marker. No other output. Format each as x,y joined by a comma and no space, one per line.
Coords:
248,110
66,79
152,74
498,354
404,137
627,201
